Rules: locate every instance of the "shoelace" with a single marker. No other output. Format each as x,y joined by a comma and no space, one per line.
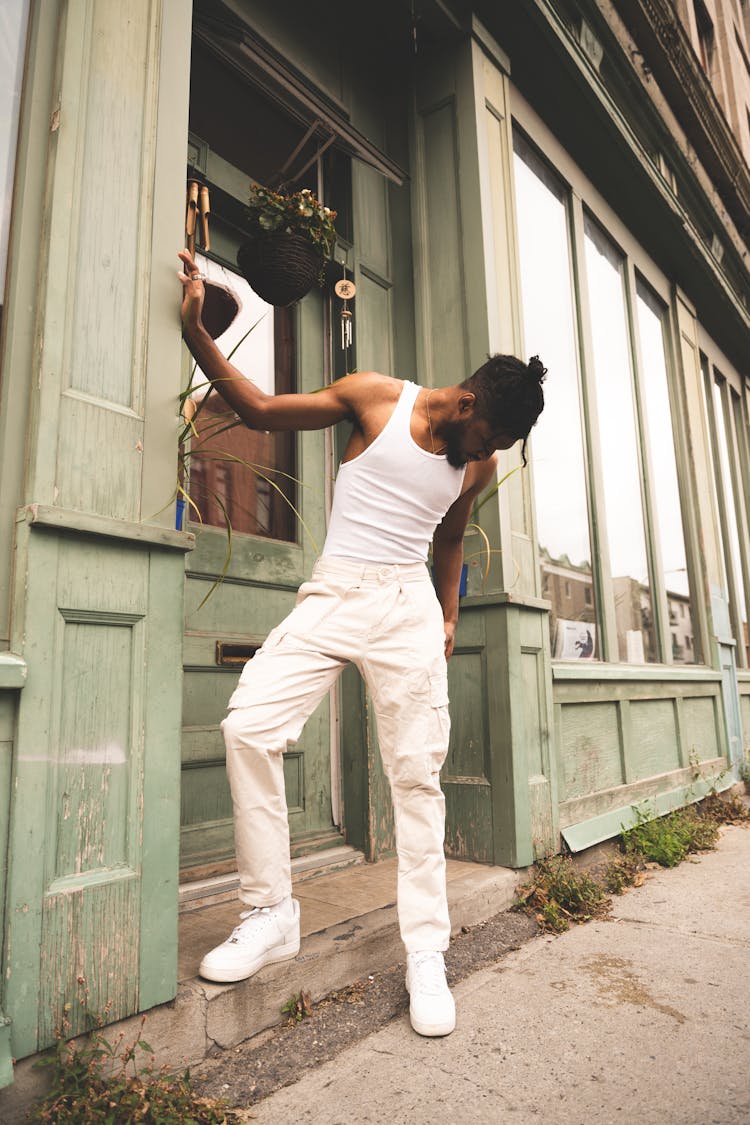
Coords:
253,922
429,969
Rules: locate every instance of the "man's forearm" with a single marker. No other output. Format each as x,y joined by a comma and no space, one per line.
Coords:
447,559
242,395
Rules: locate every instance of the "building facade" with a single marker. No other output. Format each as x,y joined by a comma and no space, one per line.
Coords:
538,177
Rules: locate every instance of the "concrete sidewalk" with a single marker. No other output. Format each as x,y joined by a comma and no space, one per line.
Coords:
644,1018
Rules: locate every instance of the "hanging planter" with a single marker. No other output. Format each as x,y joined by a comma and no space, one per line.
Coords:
280,268
289,239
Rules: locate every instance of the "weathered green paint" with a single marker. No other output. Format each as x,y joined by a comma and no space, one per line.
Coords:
633,729
97,594
101,636
744,690
604,826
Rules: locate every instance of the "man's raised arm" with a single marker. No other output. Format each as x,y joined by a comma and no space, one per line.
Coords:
257,409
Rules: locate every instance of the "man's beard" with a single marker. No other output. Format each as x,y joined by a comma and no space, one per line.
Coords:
452,433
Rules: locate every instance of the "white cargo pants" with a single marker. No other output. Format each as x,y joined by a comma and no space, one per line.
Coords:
388,622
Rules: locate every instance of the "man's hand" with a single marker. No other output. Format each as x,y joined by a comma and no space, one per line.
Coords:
193,293
449,628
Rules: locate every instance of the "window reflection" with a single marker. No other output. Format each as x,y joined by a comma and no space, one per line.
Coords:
246,476
559,474
733,560
663,465
616,422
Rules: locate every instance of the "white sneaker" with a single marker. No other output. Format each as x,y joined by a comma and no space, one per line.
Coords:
265,936
432,1010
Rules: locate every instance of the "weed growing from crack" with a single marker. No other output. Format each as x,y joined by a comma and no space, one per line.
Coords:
560,895
95,1081
297,1007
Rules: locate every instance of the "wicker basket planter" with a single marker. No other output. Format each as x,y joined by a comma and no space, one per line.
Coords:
280,268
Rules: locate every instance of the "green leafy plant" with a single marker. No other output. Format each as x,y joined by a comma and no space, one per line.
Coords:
272,212
297,1007
94,1081
668,839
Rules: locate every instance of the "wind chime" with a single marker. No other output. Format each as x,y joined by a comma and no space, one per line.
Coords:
198,210
346,290
220,304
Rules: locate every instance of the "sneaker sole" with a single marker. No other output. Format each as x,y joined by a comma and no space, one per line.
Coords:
284,952
432,1030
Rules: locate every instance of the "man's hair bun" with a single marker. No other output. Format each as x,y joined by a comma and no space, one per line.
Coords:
537,369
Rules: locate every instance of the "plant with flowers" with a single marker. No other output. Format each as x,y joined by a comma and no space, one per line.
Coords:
271,212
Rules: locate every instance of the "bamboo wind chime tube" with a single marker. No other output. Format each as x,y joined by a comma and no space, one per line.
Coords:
205,211
193,189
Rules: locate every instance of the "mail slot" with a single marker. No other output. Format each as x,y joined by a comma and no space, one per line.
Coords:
229,652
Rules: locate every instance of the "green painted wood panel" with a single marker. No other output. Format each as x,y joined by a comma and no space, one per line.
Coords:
112,135
701,735
468,821
443,251
94,746
654,742
590,747
532,675
90,960
466,775
745,714
371,217
468,753
374,333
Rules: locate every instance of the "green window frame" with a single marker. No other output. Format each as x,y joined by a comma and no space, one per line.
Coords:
725,403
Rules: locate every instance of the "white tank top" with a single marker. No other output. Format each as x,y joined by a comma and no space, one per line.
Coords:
390,498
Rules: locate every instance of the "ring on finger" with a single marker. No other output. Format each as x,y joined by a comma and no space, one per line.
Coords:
198,277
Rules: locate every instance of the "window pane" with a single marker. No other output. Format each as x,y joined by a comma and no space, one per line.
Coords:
663,463
615,418
13,20
734,558
559,475
251,472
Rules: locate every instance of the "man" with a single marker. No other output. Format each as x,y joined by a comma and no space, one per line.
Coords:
414,464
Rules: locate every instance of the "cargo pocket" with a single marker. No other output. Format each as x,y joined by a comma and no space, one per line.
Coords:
440,716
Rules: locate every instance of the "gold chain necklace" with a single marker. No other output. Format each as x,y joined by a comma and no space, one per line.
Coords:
429,420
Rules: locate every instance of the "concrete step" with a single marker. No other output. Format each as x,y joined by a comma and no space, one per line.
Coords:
349,930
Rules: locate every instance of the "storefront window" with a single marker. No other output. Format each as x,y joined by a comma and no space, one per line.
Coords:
13,20
559,474
733,557
663,466
618,436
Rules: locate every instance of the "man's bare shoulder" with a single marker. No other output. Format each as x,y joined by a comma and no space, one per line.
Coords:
367,393
370,386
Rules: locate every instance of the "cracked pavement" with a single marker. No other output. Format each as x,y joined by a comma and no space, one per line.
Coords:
644,1016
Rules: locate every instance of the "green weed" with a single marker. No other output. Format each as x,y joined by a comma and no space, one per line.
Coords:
668,839
297,1007
95,1082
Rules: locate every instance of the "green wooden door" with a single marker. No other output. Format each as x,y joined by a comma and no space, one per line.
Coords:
271,488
